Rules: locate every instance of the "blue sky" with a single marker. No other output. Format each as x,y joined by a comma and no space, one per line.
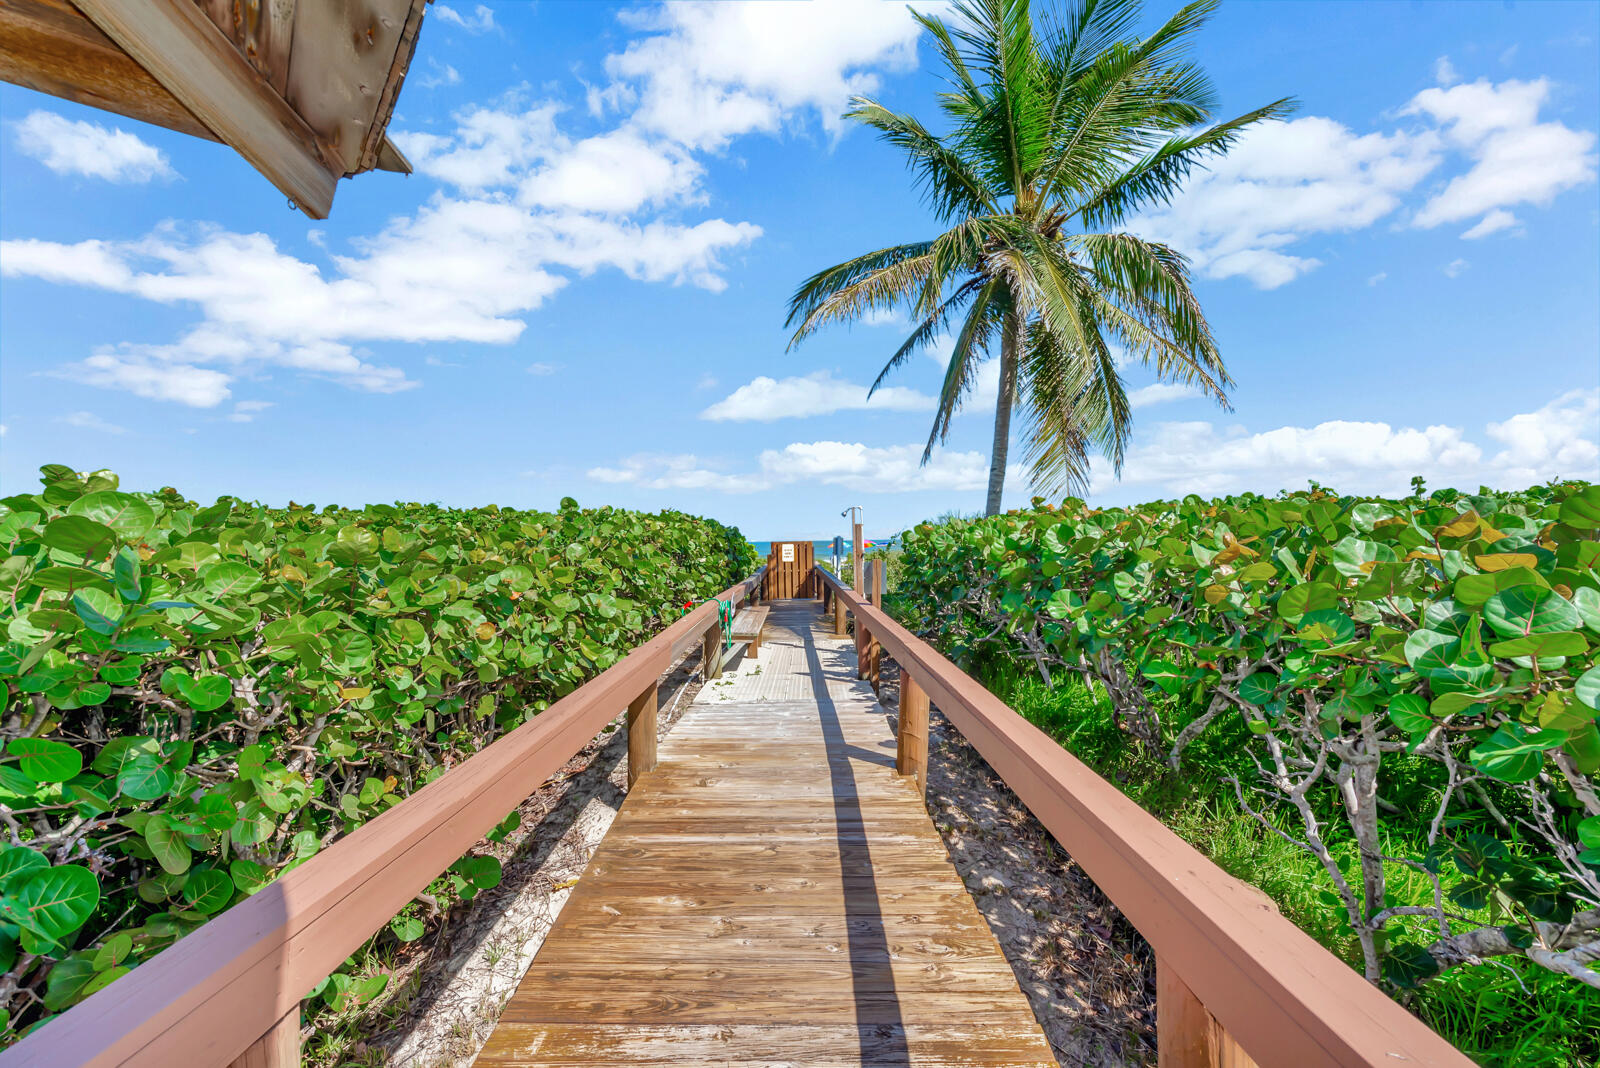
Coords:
581,291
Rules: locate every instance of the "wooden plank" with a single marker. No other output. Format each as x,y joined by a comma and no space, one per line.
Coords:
773,893
945,1045
51,47
339,69
184,51
262,31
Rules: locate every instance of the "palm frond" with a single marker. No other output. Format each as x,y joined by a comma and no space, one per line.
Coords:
1156,178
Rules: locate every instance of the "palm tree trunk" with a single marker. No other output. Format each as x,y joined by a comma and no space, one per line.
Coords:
1002,414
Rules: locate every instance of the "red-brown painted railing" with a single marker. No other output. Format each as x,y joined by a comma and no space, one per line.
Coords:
230,991
1233,973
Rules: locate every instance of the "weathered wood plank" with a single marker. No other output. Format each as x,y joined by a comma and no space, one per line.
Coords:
772,894
948,1045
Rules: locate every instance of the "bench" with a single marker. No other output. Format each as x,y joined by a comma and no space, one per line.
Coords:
747,628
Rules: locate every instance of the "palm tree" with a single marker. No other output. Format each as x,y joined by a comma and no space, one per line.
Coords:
1059,133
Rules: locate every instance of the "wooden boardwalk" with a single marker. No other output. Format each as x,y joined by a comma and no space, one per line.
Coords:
772,894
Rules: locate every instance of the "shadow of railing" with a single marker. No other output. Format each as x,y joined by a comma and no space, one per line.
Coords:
881,1030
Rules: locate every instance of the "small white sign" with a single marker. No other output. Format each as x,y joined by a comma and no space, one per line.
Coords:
788,554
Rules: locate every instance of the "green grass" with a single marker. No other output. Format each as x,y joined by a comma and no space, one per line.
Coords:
1508,1013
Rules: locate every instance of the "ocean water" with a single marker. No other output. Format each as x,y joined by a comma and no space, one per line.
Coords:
821,551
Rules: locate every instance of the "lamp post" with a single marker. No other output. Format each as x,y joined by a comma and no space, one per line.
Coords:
855,546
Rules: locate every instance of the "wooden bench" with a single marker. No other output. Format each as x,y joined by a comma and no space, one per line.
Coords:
747,628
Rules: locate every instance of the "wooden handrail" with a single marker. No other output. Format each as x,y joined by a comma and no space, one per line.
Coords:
214,993
1278,993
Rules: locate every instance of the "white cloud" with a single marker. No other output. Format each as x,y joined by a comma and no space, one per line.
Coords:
1517,158
883,317
1375,279
543,369
1176,458
1160,393
1281,182
852,465
712,71
480,21
1497,220
1444,72
438,74
1557,440
615,172
1454,268
246,411
198,387
764,399
1284,182
70,146
90,421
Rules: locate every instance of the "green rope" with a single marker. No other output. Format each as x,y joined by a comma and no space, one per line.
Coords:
725,613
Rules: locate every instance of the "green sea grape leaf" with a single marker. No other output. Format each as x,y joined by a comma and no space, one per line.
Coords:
44,760
1513,753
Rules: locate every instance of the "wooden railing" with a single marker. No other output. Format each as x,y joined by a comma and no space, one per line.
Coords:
230,992
1236,981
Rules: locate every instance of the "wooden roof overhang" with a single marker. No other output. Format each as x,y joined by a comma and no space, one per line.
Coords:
302,89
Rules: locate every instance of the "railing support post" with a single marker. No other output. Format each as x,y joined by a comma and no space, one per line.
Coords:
278,1048
711,653
642,725
1188,1036
838,616
863,638
911,740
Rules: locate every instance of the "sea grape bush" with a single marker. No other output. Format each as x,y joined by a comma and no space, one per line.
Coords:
197,699
1439,647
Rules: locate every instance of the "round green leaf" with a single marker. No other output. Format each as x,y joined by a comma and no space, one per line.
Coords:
206,693
124,513
56,902
1587,687
1514,753
1259,688
43,760
144,777
1582,509
1409,712
208,890
1525,610
406,928
228,578
79,536
1296,601
165,839
18,864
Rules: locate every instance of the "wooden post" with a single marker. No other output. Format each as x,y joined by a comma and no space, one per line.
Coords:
911,740
711,653
862,639
642,724
278,1048
855,548
874,662
877,575
838,616
1187,1036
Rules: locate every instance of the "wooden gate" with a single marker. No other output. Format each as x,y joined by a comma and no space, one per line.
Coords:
789,571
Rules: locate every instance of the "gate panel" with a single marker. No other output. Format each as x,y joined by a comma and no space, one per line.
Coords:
789,571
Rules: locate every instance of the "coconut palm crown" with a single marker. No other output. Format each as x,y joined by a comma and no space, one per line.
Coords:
1060,130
